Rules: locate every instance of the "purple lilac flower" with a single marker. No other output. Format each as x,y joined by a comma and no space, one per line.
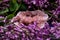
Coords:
40,3
23,32
5,0
29,33
4,4
1,29
1,17
57,12
56,29
58,2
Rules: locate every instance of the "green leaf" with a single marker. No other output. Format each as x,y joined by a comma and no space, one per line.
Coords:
0,0
23,7
10,16
4,11
1,19
13,5
1,23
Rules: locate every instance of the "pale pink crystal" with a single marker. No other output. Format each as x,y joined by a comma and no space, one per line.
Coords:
25,16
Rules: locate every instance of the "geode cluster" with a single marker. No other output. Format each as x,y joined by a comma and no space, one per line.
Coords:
29,17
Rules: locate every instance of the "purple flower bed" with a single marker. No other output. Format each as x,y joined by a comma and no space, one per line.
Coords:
13,32
10,8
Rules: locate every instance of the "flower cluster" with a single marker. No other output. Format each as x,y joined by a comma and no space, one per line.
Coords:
36,2
44,4
22,32
30,32
4,4
57,11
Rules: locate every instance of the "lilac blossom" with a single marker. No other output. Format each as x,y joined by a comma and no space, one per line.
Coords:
30,32
10,32
57,11
35,2
4,4
1,29
58,2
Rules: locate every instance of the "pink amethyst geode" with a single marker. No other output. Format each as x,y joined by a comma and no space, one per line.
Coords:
29,17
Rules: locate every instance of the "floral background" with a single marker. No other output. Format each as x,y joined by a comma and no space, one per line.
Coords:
9,9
